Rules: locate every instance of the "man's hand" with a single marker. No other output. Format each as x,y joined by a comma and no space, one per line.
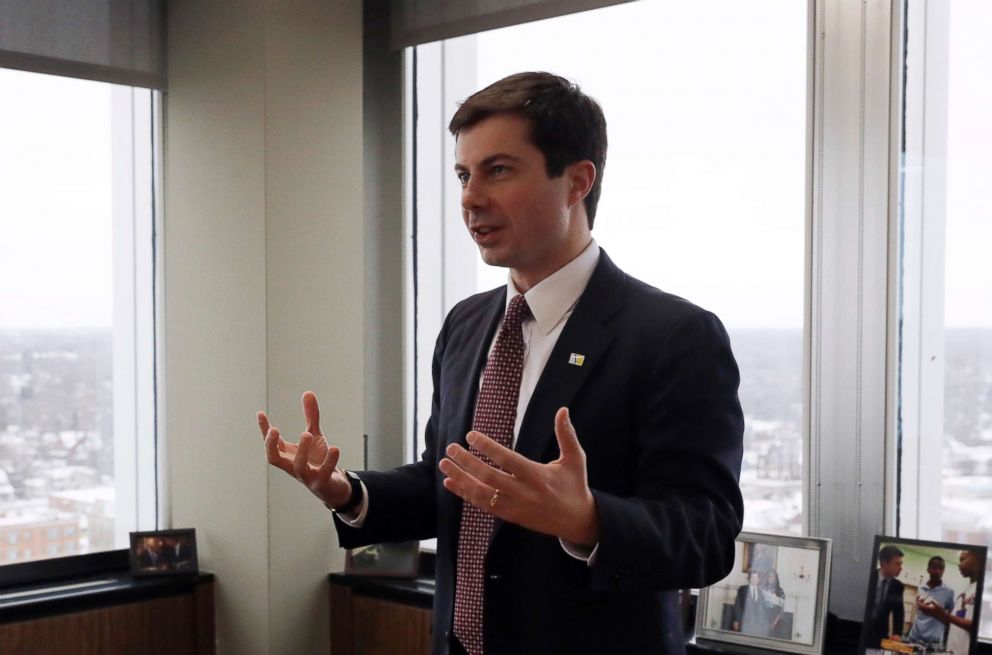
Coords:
552,498
311,461
931,608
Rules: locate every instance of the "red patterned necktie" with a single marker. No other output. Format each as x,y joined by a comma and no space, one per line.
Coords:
495,414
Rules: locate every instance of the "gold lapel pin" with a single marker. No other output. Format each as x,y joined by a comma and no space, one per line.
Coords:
576,359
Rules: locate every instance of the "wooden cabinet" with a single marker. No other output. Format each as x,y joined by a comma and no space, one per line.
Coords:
179,624
364,624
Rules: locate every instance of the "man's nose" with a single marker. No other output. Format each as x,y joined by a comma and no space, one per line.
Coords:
473,196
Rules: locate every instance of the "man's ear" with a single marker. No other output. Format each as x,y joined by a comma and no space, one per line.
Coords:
581,176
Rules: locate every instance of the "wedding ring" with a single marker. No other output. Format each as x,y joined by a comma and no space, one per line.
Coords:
492,501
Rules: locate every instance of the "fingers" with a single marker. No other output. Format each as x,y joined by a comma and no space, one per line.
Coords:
264,427
273,451
311,411
475,467
511,462
301,462
568,441
465,486
330,462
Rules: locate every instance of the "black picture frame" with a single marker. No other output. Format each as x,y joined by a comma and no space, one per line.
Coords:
163,553
789,615
882,608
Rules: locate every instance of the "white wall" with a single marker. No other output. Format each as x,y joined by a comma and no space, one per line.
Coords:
263,247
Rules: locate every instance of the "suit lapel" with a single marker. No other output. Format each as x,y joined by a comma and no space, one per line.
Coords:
468,356
586,334
469,367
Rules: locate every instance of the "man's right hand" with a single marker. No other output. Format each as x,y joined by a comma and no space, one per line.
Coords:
311,461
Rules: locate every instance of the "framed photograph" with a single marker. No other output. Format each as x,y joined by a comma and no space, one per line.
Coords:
923,596
775,597
163,552
398,560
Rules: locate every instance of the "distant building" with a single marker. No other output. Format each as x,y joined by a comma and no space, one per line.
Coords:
95,507
37,535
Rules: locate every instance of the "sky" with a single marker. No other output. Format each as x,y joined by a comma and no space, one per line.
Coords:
55,202
968,269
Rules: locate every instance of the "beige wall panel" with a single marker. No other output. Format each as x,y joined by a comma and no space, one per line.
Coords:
214,272
264,294
314,236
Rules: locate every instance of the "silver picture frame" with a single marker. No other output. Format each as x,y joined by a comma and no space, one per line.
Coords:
775,597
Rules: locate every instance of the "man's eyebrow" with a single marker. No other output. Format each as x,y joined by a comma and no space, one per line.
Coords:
489,160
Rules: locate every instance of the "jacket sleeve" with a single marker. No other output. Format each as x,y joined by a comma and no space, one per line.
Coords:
898,611
677,528
739,606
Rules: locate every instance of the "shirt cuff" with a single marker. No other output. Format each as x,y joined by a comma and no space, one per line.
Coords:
356,517
582,553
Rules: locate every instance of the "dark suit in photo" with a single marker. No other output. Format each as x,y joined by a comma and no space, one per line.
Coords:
888,603
751,613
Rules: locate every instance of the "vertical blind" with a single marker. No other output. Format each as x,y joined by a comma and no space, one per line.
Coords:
118,41
421,21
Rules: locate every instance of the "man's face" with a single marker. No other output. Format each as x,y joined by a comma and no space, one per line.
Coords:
517,216
968,564
754,578
936,570
892,568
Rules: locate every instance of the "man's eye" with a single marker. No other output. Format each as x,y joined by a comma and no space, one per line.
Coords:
499,169
463,178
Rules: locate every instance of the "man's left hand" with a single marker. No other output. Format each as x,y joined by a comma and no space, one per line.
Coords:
552,498
932,609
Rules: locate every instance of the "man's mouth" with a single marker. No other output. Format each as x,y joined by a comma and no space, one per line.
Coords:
485,235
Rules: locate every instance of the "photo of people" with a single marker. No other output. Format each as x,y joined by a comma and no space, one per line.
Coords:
163,553
774,597
923,595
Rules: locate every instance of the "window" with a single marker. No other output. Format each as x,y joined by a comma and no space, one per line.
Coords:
77,446
945,339
703,194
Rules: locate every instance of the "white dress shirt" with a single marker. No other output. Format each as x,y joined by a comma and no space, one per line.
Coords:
551,303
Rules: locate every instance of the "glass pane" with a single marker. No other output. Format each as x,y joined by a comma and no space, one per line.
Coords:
704,188
57,291
947,286
966,499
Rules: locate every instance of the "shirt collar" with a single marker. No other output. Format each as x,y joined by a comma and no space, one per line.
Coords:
554,296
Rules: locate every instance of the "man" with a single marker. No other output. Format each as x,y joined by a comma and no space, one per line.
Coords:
960,620
750,616
927,630
585,438
888,601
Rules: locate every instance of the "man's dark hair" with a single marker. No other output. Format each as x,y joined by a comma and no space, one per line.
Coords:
566,125
938,559
888,553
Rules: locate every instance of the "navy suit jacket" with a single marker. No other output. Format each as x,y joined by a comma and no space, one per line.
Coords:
877,628
655,407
